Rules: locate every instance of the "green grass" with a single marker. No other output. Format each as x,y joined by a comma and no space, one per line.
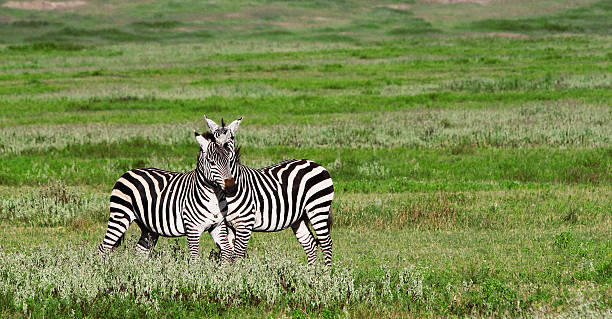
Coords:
470,147
355,170
588,19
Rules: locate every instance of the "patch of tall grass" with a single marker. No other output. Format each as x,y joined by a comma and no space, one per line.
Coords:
73,279
513,83
508,209
565,124
53,205
54,278
47,46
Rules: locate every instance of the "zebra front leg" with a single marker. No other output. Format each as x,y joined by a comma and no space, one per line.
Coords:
193,242
243,234
219,235
306,239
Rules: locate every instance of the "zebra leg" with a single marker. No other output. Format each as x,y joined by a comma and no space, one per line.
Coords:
243,234
118,223
193,241
147,241
231,235
219,236
320,218
306,239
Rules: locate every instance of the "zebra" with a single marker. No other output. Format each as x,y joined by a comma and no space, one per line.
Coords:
292,193
171,204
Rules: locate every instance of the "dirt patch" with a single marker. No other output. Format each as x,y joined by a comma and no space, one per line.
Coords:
397,6
286,24
44,5
480,2
183,29
236,15
508,35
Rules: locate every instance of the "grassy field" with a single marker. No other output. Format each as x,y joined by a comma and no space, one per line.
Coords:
470,143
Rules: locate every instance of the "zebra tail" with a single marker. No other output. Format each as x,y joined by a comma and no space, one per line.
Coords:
331,220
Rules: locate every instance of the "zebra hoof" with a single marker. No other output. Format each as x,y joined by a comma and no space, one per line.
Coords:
214,255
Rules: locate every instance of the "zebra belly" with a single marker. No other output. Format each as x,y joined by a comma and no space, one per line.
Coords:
258,226
176,219
284,206
154,198
275,220
281,194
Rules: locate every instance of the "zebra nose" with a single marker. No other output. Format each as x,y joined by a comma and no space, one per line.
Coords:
230,187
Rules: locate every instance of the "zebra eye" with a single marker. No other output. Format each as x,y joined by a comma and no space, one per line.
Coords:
226,146
212,162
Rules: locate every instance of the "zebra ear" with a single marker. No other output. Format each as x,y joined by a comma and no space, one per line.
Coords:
203,140
233,127
211,124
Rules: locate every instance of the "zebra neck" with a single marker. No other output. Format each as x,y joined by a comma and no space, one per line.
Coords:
237,170
202,184
242,174
240,171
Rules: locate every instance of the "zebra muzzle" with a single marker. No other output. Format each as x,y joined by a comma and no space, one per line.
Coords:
231,187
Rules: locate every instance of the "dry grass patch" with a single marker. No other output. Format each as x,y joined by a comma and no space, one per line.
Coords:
507,35
401,6
447,14
480,2
44,5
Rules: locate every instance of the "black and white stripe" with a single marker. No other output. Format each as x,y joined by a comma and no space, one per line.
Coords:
172,204
293,193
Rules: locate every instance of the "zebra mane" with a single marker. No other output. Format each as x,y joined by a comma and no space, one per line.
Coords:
209,136
238,154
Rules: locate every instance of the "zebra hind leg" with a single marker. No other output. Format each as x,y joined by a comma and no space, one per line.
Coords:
147,241
231,235
219,235
306,239
321,221
231,240
118,224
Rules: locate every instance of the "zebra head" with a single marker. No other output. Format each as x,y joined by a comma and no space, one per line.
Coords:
224,135
214,163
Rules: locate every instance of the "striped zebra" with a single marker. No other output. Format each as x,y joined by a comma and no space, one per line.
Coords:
293,193
171,204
